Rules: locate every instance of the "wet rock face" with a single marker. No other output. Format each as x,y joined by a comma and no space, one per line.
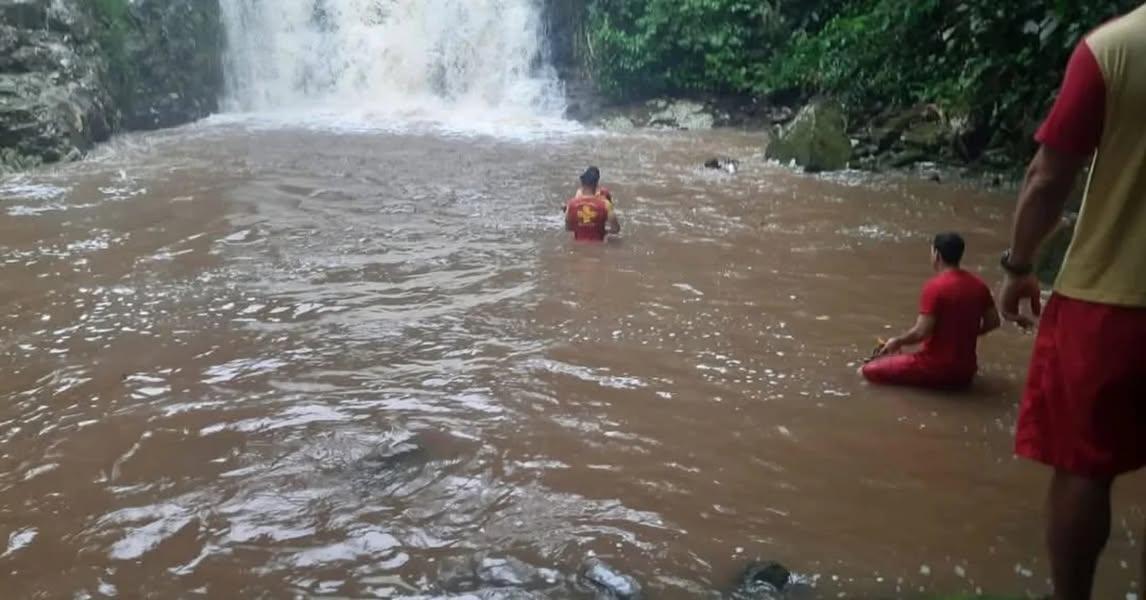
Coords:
54,99
659,113
176,57
64,88
816,139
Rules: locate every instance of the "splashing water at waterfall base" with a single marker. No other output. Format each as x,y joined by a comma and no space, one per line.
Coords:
461,62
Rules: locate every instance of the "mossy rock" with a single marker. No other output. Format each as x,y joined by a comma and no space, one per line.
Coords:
930,136
816,139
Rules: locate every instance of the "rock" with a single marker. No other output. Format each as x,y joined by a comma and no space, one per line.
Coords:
680,114
907,158
728,165
816,139
618,123
609,583
176,55
929,137
54,98
69,77
763,580
770,581
778,115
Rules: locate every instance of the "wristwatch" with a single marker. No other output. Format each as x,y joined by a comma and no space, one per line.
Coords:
1013,269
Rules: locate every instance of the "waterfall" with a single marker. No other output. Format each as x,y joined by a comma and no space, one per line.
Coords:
393,56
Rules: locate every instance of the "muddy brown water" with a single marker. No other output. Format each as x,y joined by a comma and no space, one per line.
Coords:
268,362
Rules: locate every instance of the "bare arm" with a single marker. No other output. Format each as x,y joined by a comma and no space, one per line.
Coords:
1049,182
923,328
991,320
613,224
1050,179
570,219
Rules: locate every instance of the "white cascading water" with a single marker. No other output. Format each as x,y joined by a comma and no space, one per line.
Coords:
417,58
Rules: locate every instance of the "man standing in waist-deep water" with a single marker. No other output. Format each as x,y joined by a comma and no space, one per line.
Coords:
1084,409
590,214
955,310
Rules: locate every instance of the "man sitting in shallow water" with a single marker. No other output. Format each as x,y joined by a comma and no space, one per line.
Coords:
590,214
956,309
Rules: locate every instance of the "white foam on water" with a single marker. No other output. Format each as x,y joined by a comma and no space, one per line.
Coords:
20,539
461,66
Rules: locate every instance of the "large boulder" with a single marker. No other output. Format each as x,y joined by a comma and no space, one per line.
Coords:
816,139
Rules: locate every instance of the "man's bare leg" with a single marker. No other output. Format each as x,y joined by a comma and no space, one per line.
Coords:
1078,530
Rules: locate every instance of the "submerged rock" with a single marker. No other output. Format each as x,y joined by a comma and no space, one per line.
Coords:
609,583
815,140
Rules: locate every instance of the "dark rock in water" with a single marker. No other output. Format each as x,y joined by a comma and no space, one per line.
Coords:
763,581
772,574
608,582
727,165
815,140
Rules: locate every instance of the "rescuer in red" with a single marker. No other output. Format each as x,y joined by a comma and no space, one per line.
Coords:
590,214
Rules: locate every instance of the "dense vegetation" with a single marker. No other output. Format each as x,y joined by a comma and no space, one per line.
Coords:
996,63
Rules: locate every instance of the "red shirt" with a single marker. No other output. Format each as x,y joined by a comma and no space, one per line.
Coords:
958,300
588,217
1075,123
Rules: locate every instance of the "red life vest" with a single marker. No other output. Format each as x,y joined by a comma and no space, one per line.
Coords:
589,216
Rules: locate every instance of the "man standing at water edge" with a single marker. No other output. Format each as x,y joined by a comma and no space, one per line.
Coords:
955,310
1084,409
590,214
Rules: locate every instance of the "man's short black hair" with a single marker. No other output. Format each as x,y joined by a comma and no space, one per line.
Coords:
950,247
591,177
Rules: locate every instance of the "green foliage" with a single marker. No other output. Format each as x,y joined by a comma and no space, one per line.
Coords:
114,25
642,47
972,57
997,63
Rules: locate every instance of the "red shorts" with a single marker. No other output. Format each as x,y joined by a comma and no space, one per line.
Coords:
913,370
1084,409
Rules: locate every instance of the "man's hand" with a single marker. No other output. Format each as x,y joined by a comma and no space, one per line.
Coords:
1015,291
892,346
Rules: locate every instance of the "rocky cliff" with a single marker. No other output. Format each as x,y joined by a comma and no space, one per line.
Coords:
72,72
